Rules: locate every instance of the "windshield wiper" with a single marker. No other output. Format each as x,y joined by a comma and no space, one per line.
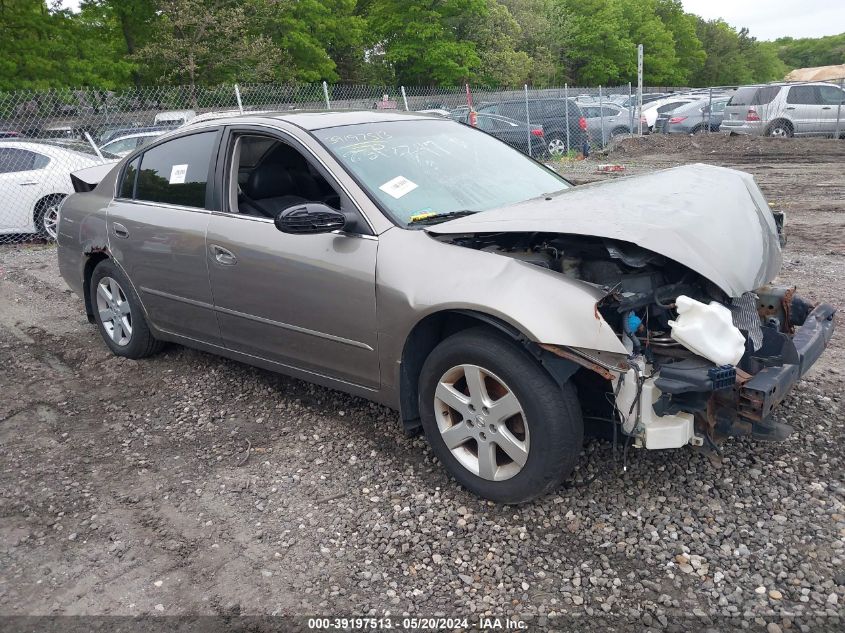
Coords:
435,218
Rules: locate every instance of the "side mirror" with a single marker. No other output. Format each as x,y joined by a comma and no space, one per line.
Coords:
310,218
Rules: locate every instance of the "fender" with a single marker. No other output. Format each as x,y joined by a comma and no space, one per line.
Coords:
417,276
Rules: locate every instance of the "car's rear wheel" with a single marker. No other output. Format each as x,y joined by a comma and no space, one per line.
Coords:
46,216
496,419
118,313
780,129
556,146
619,131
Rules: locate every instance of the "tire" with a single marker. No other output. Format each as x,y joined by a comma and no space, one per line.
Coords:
545,435
619,131
46,216
556,146
698,129
118,313
780,129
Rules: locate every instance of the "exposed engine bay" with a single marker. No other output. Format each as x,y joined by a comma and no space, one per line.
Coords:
702,366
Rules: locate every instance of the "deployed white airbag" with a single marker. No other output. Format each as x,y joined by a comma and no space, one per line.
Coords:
707,330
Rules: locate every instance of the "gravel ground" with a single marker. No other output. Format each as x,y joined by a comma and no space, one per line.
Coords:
126,487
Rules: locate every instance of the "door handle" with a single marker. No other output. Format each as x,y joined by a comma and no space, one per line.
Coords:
120,230
790,108
223,256
29,183
826,108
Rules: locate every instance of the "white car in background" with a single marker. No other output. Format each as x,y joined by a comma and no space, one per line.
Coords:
35,178
122,145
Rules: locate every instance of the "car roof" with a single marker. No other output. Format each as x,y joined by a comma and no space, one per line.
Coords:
136,134
318,120
44,146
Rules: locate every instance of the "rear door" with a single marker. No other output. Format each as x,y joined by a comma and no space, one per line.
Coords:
24,179
804,108
833,104
157,225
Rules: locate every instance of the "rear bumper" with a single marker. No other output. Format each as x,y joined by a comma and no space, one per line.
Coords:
742,127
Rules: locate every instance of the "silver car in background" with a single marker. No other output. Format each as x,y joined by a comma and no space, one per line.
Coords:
696,117
430,267
785,110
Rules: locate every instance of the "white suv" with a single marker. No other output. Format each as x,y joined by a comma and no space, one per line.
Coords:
807,109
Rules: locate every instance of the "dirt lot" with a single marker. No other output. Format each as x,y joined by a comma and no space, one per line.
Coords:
126,487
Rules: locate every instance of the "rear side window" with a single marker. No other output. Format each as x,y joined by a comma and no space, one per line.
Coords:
831,95
754,95
176,172
512,110
13,159
803,95
127,186
668,107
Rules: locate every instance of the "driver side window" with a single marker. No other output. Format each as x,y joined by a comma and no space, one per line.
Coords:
268,176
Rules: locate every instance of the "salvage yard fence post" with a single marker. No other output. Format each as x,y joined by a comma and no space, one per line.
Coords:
238,97
528,121
404,98
326,95
566,110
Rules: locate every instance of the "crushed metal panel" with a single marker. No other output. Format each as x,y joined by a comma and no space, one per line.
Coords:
713,220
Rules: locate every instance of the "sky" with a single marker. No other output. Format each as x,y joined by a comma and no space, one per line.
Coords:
770,19
766,19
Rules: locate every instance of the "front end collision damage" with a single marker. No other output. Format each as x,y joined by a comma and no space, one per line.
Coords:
697,232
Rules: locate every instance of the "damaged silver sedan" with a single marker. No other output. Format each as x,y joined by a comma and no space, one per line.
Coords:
427,266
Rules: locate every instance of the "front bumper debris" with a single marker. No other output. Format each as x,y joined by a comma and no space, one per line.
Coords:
763,378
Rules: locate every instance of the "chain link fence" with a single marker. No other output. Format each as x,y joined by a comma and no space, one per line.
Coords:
45,136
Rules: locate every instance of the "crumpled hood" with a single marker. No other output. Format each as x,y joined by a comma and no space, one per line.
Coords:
713,220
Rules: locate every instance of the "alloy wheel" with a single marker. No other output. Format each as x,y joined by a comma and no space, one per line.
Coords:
557,147
482,422
50,221
114,311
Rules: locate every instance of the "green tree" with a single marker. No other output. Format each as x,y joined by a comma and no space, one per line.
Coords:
807,52
536,38
46,47
643,26
123,26
419,39
196,42
593,41
496,35
689,52
761,58
725,63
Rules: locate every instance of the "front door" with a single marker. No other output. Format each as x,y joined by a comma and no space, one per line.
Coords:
305,301
157,228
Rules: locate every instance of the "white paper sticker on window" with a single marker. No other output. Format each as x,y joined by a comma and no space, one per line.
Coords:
398,187
177,174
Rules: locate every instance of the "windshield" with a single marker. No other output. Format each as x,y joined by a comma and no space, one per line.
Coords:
417,170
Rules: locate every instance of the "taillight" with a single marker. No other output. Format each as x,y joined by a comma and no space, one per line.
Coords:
537,132
677,119
582,123
752,115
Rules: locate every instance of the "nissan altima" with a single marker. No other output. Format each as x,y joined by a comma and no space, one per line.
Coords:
428,266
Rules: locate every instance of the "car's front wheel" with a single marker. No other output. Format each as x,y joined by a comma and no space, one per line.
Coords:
118,313
496,419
